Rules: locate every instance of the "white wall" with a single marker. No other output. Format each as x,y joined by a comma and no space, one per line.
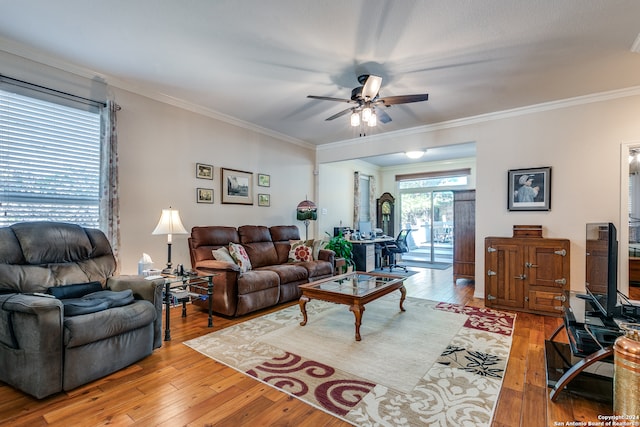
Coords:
159,146
336,186
580,140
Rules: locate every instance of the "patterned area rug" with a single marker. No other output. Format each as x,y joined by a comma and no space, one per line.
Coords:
434,364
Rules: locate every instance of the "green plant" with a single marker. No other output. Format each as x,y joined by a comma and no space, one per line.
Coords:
342,248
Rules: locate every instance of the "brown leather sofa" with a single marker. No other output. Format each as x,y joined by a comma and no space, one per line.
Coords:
272,279
58,342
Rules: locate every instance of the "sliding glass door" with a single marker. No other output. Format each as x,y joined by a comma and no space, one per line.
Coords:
429,215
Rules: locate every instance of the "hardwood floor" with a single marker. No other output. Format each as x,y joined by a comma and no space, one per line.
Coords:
178,386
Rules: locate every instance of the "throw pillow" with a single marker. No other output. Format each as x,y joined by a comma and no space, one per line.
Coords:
222,254
301,250
75,290
240,256
317,245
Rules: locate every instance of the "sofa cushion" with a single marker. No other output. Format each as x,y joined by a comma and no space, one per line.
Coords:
257,280
317,269
289,273
281,235
64,242
75,290
222,254
239,255
301,250
256,240
89,328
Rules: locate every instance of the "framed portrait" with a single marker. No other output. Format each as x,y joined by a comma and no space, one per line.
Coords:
204,195
204,171
237,186
264,200
264,180
529,189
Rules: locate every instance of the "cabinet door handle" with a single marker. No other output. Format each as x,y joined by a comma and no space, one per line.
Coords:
560,298
562,281
529,265
521,277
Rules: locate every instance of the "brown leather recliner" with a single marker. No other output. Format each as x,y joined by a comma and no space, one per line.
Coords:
272,279
44,350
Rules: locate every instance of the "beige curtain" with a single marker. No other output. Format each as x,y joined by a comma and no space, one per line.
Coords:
109,198
356,199
372,201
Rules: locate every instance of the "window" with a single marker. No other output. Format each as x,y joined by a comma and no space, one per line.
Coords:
49,160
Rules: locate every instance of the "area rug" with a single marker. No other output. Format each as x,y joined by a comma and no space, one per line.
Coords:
434,364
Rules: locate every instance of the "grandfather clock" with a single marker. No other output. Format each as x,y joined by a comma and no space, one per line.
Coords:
385,209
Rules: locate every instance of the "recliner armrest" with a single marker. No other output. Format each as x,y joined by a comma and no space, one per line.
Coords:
150,290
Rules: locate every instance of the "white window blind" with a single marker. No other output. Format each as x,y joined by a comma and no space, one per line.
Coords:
49,162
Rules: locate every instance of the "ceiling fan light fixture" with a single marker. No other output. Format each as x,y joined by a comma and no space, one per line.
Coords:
366,114
355,119
416,154
373,120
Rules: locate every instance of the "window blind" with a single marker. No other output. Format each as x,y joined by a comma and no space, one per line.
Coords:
49,161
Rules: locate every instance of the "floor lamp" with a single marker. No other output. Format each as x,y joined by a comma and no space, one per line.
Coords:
307,212
169,224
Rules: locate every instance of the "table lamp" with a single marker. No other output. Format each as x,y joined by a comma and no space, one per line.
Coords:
169,224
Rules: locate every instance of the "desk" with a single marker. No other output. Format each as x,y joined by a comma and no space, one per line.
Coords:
365,255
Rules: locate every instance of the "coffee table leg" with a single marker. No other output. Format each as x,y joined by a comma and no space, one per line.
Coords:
303,309
403,291
357,311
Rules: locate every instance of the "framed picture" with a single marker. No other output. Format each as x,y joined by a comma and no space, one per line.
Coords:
264,200
529,189
204,171
264,180
204,195
237,186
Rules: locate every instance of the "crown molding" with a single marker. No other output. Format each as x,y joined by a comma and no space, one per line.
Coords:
497,115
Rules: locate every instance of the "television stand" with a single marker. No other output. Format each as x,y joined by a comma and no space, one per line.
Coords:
584,365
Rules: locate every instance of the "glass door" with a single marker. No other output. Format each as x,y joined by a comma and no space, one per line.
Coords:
429,215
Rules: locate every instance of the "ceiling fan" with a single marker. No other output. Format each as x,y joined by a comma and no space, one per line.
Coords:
366,98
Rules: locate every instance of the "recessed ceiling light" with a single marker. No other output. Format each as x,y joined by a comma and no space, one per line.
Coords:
414,154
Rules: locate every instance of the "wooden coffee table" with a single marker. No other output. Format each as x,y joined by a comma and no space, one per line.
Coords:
352,289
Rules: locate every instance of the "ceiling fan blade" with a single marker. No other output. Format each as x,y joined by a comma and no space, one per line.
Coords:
382,116
340,114
371,87
403,99
328,98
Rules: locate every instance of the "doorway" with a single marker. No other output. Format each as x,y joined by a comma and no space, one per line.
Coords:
429,215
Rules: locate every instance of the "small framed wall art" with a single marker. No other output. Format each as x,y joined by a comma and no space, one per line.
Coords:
204,171
204,195
264,200
264,180
529,189
237,186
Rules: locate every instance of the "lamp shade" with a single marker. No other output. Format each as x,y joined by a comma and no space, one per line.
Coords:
170,223
306,210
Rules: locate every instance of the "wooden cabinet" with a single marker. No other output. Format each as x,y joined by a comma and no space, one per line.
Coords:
464,234
527,274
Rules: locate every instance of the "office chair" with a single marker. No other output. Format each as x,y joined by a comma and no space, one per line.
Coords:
399,246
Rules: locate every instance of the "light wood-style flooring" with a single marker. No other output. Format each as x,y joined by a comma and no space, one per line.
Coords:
177,386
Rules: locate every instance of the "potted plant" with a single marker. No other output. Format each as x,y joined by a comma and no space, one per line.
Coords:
342,248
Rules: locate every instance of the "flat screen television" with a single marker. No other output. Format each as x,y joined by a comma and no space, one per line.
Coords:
601,281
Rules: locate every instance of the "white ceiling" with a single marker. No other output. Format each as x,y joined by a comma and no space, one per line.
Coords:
255,61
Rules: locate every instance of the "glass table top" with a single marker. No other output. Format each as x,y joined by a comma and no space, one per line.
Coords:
355,283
